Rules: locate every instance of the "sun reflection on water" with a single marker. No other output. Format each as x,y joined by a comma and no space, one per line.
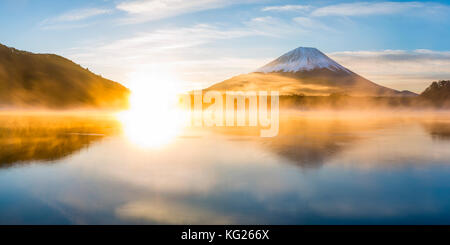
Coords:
153,120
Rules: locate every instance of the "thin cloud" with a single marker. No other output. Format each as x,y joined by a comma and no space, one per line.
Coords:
272,27
70,19
311,24
81,14
78,14
400,69
168,212
164,39
147,10
62,26
164,46
157,45
368,8
287,8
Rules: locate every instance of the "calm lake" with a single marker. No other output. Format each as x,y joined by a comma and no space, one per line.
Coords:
323,168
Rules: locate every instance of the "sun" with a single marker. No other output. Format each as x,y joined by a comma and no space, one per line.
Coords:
153,120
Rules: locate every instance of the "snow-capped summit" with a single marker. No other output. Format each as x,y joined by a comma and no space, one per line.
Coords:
306,71
302,59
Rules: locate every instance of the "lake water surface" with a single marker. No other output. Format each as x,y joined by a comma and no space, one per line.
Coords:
322,168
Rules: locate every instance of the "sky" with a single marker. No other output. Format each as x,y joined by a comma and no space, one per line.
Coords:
402,45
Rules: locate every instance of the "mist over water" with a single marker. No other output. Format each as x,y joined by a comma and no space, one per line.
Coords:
324,167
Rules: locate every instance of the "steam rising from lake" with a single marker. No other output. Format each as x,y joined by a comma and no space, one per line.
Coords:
323,168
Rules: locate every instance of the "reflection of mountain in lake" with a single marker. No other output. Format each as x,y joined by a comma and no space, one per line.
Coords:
375,140
25,139
307,140
310,140
310,143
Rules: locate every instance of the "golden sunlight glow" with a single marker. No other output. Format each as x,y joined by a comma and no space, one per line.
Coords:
153,119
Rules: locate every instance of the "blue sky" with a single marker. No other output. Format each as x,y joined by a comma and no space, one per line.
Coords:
400,44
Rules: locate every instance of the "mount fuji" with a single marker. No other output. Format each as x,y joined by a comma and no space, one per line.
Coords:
303,59
306,71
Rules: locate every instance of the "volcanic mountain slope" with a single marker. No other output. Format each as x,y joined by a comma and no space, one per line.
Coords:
51,81
306,71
